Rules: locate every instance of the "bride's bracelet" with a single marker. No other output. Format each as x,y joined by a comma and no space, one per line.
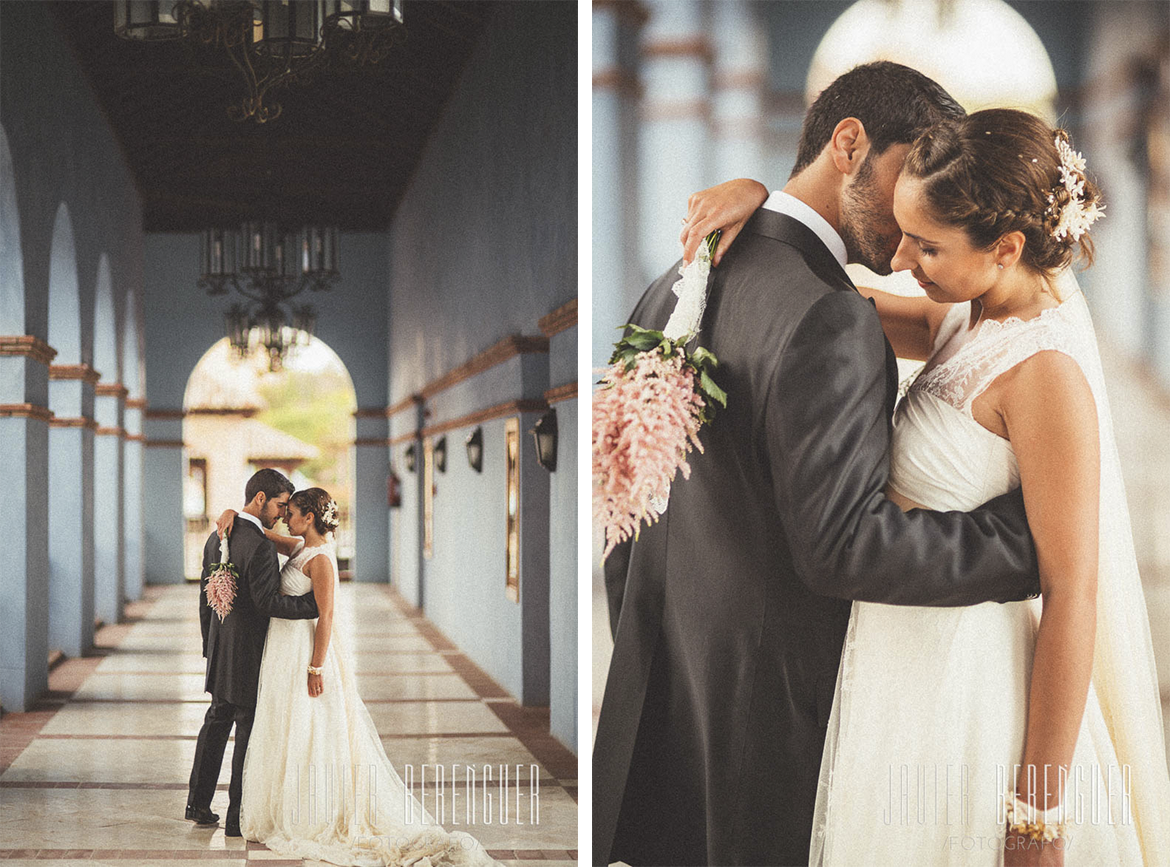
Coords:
316,669
1043,826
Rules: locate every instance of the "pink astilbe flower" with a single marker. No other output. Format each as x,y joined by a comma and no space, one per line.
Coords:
645,421
221,589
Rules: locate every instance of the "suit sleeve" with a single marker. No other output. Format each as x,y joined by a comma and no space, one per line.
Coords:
204,608
264,586
827,437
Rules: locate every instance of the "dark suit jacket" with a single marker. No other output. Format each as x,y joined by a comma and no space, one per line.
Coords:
730,612
235,647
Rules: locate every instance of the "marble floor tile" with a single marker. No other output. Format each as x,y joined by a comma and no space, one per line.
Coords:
376,687
162,663
441,717
142,687
106,761
140,718
391,663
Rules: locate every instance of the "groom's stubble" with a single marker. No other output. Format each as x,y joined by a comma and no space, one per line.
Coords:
867,224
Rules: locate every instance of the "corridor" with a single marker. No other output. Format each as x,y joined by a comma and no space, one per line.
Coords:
98,769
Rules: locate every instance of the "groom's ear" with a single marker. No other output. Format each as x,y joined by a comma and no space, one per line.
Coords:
848,145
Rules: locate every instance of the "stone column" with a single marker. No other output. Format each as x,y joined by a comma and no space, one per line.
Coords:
24,558
135,574
616,281
738,106
71,508
675,141
163,472
109,502
371,514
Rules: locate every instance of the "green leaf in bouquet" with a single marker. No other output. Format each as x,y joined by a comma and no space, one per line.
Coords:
709,388
704,358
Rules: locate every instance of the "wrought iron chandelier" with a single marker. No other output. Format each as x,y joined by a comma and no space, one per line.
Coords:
273,43
269,268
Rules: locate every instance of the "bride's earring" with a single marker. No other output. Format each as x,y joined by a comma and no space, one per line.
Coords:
999,265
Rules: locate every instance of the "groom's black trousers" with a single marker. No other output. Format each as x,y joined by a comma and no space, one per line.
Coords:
213,737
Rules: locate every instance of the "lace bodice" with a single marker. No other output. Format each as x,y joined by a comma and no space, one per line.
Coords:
293,580
941,457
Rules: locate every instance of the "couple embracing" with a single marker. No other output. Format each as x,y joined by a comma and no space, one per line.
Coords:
829,649
310,777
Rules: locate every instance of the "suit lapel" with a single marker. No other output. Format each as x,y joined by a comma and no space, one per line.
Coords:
789,230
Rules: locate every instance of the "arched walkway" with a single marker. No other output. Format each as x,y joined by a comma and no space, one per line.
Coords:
24,417
71,522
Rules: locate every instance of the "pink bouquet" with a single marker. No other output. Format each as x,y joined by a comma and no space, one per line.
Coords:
221,583
654,397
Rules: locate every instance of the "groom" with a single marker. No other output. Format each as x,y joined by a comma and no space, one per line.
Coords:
729,614
235,646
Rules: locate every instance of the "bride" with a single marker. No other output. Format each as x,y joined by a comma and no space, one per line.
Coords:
1025,732
317,782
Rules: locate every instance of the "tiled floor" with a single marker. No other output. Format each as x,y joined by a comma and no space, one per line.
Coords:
98,770
1141,422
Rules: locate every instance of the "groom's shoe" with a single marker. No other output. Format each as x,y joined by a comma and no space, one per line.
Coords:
231,828
201,815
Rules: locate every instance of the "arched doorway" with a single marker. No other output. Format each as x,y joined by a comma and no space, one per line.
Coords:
71,454
239,417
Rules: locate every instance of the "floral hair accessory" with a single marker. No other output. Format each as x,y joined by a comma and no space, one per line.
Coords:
1074,218
329,518
654,397
221,583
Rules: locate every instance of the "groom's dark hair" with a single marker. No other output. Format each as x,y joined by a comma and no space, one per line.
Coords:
894,102
270,481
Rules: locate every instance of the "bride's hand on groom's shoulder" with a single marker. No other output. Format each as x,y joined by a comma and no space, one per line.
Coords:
223,524
726,206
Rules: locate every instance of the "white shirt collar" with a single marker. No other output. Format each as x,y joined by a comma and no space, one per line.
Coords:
251,518
785,203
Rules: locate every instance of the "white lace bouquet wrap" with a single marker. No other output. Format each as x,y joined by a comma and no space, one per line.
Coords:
221,583
654,398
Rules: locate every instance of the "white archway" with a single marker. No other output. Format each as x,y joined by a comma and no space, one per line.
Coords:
11,258
239,416
982,52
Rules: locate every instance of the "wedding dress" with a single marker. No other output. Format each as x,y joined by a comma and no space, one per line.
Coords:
317,781
930,710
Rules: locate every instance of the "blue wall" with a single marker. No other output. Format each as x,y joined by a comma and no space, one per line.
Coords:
482,246
63,153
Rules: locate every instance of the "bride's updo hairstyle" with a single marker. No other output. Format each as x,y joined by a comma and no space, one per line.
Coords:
321,505
1002,170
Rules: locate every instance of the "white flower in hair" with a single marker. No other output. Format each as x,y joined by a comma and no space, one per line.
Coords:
329,518
1075,217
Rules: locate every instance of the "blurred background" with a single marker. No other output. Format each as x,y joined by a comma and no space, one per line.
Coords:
688,93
